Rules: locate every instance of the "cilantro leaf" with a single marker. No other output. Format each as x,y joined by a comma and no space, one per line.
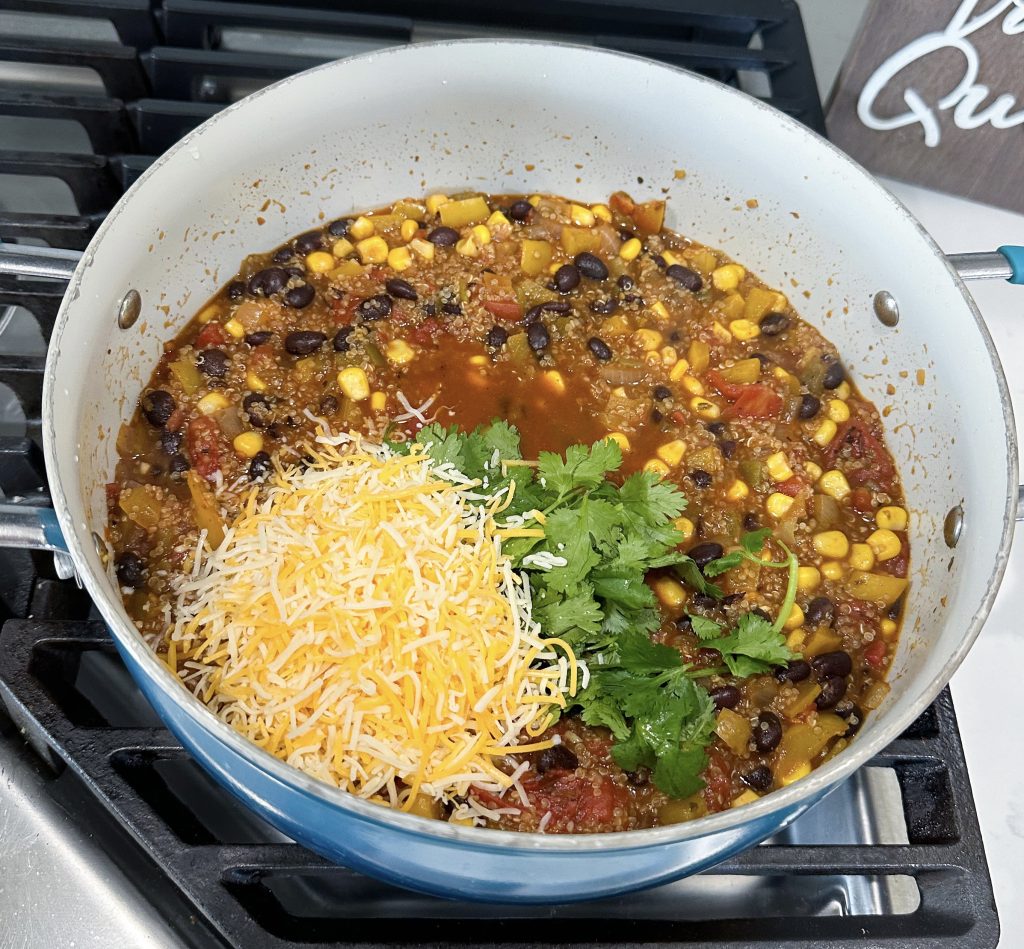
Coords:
602,710
650,500
703,627
753,541
582,467
637,653
504,438
444,445
691,575
578,613
750,546
677,773
753,647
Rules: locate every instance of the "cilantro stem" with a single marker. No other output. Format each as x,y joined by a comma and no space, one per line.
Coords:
790,598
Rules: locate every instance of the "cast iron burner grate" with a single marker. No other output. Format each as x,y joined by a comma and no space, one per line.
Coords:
90,91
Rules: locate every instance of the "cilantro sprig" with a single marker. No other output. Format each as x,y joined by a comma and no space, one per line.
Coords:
587,577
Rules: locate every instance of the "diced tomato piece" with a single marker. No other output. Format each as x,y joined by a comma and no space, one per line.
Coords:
113,495
622,202
344,310
864,446
587,801
176,420
756,401
860,500
507,310
211,335
897,566
718,781
204,445
427,331
731,390
379,274
678,416
792,487
875,653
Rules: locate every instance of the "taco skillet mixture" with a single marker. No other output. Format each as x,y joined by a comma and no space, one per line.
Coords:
516,512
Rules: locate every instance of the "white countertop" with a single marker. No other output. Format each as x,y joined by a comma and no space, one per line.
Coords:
984,689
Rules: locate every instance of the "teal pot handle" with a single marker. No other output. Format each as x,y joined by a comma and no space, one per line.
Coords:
30,527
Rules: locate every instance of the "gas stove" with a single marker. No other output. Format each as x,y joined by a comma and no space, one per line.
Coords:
109,833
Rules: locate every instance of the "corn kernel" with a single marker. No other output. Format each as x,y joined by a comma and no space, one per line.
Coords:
467,247
602,212
778,504
727,277
408,229
888,628
778,466
399,259
621,440
534,199
212,402
795,619
434,202
832,570
796,639
807,579
671,592
462,821
555,381
361,228
235,328
478,360
692,384
685,527
373,250
834,484
320,261
630,249
833,544
209,314
482,233
704,409
353,382
656,466
254,382
680,369
812,470
399,352
885,544
785,377
670,258
843,390
672,452
496,219
744,330
699,354
747,797
795,774
581,216
660,310
649,340
737,491
825,432
378,401
862,557
837,410
424,248
669,356
248,444
891,518
721,333
342,248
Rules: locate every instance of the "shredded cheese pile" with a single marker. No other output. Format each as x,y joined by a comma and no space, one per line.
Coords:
360,622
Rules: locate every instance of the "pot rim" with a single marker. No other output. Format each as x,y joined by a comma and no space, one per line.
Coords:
782,801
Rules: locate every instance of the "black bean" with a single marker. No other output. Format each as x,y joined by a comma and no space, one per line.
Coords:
633,298
341,344
820,610
757,611
538,337
727,447
298,298
704,553
158,406
590,265
764,360
796,671
896,609
257,408
260,466
295,271
686,278
703,602
567,278
304,342
834,376
751,522
701,478
375,308
452,309
178,464
443,236
625,282
282,255
236,290
130,568
265,282
716,428
725,696
684,624
532,315
328,405
212,362
656,415
604,306
832,690
309,242
639,778
556,758
556,306
851,712
767,732
600,349
401,289
809,406
258,338
340,227
730,598
659,260
520,210
170,442
759,779
497,336
661,393
774,323
828,665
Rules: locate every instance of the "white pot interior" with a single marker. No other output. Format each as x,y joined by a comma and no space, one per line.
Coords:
526,118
